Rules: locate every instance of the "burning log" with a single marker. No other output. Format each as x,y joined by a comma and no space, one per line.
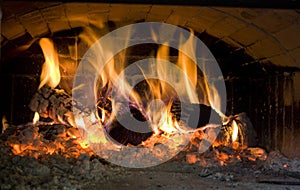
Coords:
126,136
238,128
54,104
202,116
57,105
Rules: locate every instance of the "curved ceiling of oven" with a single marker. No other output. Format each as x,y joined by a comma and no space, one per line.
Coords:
268,35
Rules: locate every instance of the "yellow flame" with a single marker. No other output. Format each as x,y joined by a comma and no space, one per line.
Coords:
50,72
214,99
159,115
188,66
235,131
36,118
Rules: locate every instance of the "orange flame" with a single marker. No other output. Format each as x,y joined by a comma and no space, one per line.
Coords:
188,66
50,72
162,122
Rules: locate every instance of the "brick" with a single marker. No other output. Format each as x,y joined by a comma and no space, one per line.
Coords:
177,20
16,8
56,18
289,37
296,56
248,35
138,13
59,26
25,39
207,17
76,8
225,27
187,11
276,20
12,29
138,8
98,19
284,60
118,13
136,16
181,15
245,14
162,10
45,4
54,14
68,66
196,25
231,42
77,14
265,48
34,23
159,13
98,7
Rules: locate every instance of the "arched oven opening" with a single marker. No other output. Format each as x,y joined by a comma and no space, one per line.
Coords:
256,49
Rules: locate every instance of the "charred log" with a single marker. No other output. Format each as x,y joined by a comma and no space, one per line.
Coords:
56,105
246,133
197,115
53,104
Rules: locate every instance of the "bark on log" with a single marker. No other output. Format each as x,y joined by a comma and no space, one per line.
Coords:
54,104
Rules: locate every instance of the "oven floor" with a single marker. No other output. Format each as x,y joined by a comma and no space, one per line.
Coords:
38,170
56,172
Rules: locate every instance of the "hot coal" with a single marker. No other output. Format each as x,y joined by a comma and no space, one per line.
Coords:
218,168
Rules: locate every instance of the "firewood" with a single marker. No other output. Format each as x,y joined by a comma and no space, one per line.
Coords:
195,112
126,136
53,103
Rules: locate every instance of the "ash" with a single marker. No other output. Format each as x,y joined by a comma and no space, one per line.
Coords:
67,165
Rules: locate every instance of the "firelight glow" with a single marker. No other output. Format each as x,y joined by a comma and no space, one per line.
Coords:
163,81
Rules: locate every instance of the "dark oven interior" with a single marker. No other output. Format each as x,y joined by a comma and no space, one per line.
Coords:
257,47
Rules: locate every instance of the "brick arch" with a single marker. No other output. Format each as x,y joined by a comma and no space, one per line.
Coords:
268,35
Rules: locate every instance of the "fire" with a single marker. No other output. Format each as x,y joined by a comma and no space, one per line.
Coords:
189,67
36,118
50,72
152,98
153,102
235,131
